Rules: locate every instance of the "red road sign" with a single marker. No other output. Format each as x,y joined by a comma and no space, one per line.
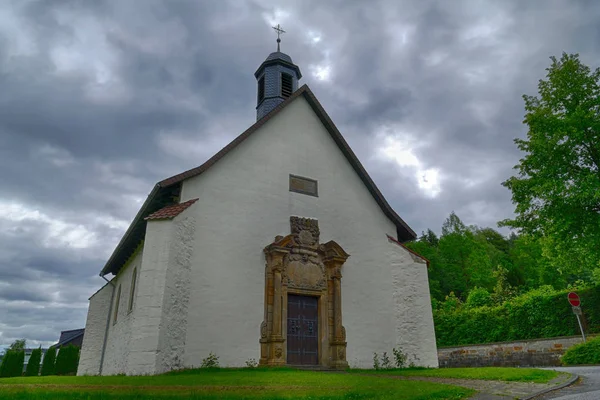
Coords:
574,299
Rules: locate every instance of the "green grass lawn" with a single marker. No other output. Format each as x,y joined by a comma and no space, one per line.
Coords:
488,373
228,384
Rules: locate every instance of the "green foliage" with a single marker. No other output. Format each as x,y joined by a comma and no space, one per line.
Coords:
557,189
49,361
376,363
251,363
479,297
12,363
33,365
539,313
67,360
399,358
583,353
212,361
18,344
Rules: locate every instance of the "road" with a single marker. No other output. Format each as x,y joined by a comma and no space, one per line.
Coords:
587,389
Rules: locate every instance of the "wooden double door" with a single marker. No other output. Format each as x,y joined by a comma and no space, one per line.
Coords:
302,330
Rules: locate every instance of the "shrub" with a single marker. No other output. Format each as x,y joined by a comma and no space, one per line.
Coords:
539,313
48,363
212,361
385,361
67,360
399,358
479,297
33,366
251,363
12,363
583,353
376,364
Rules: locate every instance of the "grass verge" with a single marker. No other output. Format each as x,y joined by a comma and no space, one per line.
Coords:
487,373
228,384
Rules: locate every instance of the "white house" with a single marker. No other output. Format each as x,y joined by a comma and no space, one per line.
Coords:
279,248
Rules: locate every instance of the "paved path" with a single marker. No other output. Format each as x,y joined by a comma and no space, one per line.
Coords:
587,389
493,390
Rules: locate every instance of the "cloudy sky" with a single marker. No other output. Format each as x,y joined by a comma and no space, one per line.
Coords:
101,99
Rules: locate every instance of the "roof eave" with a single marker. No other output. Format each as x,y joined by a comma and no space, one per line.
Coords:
138,217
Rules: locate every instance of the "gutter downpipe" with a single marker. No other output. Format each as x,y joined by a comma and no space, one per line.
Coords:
112,297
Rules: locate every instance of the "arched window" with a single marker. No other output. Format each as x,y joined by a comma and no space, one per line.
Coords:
132,290
117,301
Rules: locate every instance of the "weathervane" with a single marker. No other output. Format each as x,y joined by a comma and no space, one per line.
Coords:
279,32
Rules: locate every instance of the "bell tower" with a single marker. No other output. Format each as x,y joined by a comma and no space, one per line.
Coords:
277,79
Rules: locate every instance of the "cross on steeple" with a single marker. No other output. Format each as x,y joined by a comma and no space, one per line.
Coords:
279,31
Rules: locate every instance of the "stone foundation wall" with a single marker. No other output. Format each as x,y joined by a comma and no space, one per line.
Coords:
527,353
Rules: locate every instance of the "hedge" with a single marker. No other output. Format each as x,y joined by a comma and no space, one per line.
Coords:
33,366
48,363
583,353
12,363
540,313
67,360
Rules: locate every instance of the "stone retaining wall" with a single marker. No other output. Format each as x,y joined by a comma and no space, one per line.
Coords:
526,353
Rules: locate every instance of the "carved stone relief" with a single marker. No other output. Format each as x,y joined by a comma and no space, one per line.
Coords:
299,264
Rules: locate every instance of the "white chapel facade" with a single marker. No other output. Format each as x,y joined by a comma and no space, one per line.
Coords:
279,248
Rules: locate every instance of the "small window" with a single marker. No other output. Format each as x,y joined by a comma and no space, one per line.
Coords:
132,291
286,85
117,305
261,89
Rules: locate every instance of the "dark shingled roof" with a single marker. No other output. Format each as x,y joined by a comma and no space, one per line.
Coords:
67,336
171,211
166,192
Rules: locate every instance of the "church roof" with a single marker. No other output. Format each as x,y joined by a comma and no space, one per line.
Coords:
166,190
171,211
280,58
277,55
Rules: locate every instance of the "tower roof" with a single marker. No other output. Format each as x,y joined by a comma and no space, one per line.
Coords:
277,57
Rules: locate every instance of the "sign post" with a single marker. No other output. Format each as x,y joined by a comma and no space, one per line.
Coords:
575,302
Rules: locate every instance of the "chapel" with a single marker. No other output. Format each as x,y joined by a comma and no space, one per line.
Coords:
280,249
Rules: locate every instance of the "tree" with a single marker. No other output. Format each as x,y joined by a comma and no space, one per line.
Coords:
18,344
33,365
48,363
14,357
67,360
557,189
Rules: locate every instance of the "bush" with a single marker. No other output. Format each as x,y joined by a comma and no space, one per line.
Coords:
583,353
67,360
479,297
539,313
212,361
12,363
48,363
33,366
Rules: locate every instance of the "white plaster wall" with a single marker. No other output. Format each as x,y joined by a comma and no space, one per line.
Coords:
148,308
244,201
415,333
95,329
118,344
173,327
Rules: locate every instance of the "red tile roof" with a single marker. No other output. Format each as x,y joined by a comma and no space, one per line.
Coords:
171,211
394,240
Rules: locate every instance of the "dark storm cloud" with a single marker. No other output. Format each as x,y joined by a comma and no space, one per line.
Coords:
102,99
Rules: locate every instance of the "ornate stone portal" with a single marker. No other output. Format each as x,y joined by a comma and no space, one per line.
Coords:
299,264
